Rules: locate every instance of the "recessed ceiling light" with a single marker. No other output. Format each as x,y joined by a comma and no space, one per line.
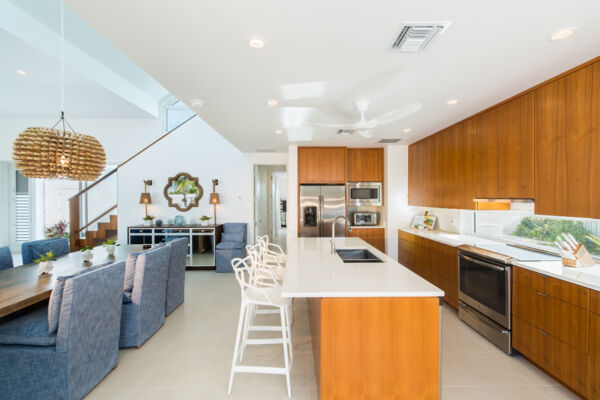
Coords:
406,130
563,33
272,102
279,131
451,101
256,42
196,103
21,72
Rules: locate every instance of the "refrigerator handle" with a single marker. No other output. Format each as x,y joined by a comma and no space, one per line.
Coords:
320,216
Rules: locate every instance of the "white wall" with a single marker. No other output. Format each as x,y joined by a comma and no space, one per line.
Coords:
199,150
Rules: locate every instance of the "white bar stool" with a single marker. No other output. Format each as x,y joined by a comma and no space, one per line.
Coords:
258,294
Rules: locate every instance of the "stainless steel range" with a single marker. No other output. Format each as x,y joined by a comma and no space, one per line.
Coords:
485,277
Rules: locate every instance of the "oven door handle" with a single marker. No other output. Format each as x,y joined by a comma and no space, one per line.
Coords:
483,264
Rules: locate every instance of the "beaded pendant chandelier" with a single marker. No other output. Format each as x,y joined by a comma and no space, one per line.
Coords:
52,153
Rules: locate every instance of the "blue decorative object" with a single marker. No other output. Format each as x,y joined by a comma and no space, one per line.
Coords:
179,220
158,222
66,364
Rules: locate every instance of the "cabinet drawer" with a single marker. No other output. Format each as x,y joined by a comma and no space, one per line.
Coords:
559,289
563,321
564,362
595,302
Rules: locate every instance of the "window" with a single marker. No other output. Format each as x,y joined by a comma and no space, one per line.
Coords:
175,114
537,230
22,208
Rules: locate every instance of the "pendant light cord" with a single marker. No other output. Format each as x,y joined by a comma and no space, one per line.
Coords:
62,58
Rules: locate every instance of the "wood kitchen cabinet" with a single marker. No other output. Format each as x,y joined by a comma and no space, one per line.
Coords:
432,260
322,165
552,326
567,145
504,139
374,236
365,165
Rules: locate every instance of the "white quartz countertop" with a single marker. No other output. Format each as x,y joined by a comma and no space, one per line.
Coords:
588,277
312,271
451,239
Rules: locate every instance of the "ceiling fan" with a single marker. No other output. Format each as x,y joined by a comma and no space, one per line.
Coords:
364,126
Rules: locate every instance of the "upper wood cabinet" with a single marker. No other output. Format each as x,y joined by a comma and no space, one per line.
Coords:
567,145
504,138
365,165
322,165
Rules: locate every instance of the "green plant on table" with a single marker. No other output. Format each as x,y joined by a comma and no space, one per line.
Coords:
49,256
148,218
204,218
86,248
110,242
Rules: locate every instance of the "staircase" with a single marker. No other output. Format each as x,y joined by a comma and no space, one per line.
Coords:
81,236
106,230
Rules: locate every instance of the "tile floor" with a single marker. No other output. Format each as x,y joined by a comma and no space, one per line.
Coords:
190,357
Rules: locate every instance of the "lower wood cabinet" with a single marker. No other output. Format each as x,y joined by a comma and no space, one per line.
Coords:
374,236
434,261
553,327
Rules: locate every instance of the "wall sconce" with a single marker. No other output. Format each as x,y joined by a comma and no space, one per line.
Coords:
145,198
214,199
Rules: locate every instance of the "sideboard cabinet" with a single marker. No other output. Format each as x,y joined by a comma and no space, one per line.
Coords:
201,240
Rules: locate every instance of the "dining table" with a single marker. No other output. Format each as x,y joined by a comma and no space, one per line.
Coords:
24,286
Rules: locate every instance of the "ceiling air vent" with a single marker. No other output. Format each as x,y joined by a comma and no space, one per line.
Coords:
415,36
388,141
265,150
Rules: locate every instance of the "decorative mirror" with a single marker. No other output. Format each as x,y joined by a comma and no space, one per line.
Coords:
183,191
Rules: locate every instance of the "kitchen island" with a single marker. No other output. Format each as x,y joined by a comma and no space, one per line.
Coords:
375,327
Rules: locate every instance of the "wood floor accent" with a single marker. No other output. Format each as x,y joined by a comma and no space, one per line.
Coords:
376,348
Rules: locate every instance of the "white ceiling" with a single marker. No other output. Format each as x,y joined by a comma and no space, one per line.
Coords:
37,94
335,51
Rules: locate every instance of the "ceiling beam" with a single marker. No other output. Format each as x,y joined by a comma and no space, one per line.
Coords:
27,28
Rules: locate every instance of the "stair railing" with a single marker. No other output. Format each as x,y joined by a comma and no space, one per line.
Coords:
78,203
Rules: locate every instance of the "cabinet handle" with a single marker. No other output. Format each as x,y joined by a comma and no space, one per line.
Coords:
542,332
542,294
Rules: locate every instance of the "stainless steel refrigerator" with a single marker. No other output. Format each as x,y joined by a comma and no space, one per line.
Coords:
319,206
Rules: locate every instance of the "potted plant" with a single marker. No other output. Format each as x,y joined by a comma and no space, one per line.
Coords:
148,219
110,245
87,254
58,230
45,261
204,219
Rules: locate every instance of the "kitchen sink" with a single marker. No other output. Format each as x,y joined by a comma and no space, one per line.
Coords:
357,256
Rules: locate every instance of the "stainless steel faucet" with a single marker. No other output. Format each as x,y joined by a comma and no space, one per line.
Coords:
333,231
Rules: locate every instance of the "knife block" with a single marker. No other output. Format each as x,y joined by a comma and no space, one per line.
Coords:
579,259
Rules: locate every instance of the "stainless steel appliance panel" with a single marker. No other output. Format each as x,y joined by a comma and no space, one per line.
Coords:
310,211
365,218
333,200
364,193
494,332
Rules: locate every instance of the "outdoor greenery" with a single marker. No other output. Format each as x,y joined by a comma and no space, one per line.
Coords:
184,186
546,230
49,256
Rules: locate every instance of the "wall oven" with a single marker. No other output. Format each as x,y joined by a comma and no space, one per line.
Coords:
364,193
485,294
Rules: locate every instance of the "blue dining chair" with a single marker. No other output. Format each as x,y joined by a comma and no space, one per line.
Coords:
176,277
32,250
6,260
62,351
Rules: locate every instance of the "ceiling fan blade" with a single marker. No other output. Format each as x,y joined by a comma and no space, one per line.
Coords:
397,114
365,133
362,125
327,125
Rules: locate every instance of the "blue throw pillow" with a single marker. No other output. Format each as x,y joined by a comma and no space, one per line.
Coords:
55,302
232,237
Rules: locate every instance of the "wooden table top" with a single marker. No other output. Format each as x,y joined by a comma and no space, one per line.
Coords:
22,286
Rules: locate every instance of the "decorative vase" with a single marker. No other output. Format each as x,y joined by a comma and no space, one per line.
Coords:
110,249
179,220
45,267
158,222
148,222
87,255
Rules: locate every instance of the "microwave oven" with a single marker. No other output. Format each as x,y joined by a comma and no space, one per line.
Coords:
364,193
365,219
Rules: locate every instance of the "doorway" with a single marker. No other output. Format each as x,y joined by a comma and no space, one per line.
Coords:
270,202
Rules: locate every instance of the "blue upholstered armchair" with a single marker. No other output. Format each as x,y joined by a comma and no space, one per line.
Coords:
6,260
32,250
144,307
63,351
232,245
176,278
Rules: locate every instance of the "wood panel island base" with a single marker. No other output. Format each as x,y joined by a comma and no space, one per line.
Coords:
376,348
375,327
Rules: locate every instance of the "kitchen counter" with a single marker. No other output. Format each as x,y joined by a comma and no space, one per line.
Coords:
449,238
588,277
312,271
375,327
